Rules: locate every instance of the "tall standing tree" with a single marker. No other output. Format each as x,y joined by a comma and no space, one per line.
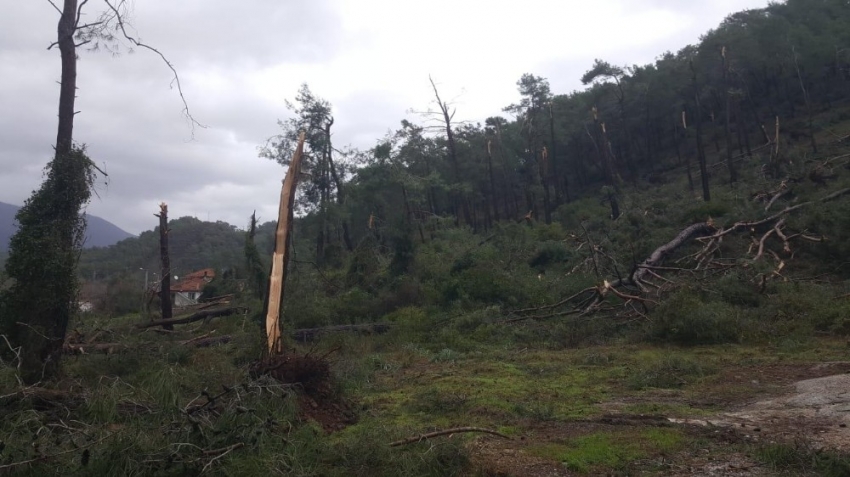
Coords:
35,311
458,200
313,115
535,96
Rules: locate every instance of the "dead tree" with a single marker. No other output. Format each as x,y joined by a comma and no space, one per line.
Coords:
165,276
646,278
280,257
733,173
458,201
703,169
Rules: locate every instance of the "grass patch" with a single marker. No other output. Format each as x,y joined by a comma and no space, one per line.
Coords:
670,371
799,458
617,450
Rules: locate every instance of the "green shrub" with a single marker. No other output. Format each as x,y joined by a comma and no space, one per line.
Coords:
549,253
702,212
686,320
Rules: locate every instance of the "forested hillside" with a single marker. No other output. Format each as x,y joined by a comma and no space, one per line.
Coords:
697,115
700,113
194,245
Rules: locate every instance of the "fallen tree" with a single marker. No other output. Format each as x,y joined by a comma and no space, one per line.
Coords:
634,289
201,315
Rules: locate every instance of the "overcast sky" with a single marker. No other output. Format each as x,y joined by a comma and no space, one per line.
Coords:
239,61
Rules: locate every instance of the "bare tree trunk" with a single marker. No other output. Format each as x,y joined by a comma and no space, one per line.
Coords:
494,203
340,193
554,161
700,151
808,103
447,118
68,89
687,158
280,257
733,174
165,282
544,180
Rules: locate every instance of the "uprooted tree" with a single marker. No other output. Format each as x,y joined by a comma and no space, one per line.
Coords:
654,276
36,309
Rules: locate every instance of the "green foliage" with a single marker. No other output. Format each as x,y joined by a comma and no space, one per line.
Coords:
193,245
42,265
687,320
549,253
703,212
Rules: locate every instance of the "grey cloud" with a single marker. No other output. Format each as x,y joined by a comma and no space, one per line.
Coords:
249,31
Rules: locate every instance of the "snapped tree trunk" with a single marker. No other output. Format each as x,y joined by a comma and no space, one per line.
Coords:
165,282
457,198
280,257
733,174
703,169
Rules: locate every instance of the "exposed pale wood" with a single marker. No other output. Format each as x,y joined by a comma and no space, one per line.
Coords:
281,249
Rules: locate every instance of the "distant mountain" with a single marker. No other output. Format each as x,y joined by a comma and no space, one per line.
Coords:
99,232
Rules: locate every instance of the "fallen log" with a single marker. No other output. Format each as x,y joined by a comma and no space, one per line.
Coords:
211,341
309,334
105,348
661,253
445,432
201,315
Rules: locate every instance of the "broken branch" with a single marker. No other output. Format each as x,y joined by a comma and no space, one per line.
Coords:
455,430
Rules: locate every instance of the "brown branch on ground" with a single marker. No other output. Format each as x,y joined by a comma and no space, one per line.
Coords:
456,430
707,264
783,191
201,315
51,456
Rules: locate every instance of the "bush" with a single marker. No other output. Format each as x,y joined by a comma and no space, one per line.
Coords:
702,212
686,320
549,253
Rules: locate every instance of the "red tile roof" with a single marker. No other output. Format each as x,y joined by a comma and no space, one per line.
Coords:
195,281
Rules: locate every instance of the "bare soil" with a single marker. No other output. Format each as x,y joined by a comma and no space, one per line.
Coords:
777,403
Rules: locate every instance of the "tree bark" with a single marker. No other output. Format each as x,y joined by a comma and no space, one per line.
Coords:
165,277
733,174
340,193
458,201
201,315
68,89
706,194
493,201
280,257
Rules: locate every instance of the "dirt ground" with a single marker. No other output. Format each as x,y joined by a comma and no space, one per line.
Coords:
779,403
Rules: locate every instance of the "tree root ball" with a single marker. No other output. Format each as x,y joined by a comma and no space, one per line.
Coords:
311,372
